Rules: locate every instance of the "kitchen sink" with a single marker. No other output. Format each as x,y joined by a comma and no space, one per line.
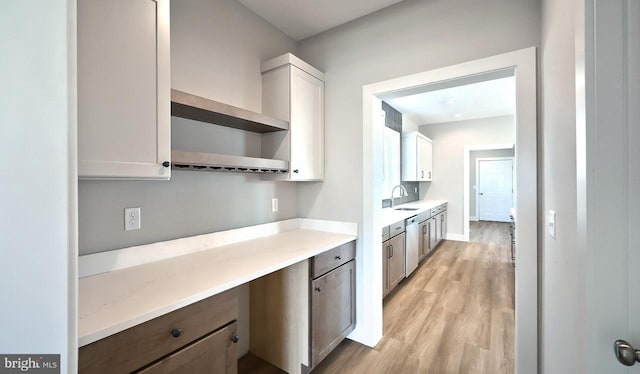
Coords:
405,209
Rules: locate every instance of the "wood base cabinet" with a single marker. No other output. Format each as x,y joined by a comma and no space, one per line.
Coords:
425,238
393,262
198,338
301,313
215,353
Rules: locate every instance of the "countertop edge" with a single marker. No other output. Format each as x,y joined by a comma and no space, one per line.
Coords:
399,215
104,331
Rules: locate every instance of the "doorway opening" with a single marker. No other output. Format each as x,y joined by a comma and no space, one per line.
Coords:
522,64
470,155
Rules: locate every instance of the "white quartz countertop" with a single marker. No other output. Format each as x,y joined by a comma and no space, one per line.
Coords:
116,300
391,216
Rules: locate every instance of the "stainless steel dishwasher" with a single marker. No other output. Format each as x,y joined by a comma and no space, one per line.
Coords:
412,256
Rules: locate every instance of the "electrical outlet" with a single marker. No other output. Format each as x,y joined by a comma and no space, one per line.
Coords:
131,219
552,224
274,204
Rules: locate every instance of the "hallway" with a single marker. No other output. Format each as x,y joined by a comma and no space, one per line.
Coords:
455,314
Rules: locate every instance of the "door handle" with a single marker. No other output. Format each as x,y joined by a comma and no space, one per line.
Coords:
625,353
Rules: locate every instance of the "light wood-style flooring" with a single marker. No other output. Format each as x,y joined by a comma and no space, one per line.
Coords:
455,314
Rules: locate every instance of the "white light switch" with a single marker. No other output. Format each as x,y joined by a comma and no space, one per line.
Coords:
274,205
131,219
552,224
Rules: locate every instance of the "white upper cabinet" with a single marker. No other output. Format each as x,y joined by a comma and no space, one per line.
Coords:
293,90
417,158
124,103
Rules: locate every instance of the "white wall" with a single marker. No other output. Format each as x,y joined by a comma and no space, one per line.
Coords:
449,140
409,37
408,124
38,179
563,306
473,157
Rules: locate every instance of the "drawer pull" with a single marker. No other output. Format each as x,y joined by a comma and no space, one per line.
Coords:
235,339
318,289
176,332
338,257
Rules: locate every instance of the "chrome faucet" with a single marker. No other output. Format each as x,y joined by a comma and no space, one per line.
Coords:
402,189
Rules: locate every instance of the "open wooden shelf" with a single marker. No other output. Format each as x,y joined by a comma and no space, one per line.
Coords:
199,161
198,108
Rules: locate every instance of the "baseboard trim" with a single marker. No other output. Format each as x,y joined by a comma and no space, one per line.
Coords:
474,219
456,237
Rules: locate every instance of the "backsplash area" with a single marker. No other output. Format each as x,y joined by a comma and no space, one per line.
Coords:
413,191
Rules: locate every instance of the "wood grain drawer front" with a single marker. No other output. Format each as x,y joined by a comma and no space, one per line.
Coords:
143,344
396,229
333,258
215,353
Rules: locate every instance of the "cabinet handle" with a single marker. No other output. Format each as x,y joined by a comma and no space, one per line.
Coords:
318,289
424,229
391,246
296,171
235,338
422,171
176,332
429,175
166,164
338,257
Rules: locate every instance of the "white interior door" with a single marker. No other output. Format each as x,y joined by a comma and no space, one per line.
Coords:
495,188
612,168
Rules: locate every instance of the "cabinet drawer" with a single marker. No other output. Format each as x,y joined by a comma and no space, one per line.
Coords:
385,233
143,344
215,353
332,258
396,228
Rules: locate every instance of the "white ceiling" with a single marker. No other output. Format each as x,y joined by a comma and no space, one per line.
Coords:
472,101
300,19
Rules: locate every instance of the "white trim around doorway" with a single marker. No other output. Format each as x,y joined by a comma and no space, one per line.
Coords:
523,63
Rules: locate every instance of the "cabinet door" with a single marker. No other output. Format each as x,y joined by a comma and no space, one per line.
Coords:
443,225
396,260
333,312
425,241
422,148
307,126
427,160
433,232
123,89
215,353
385,268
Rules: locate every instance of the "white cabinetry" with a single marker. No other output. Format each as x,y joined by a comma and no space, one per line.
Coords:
293,90
417,158
124,113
